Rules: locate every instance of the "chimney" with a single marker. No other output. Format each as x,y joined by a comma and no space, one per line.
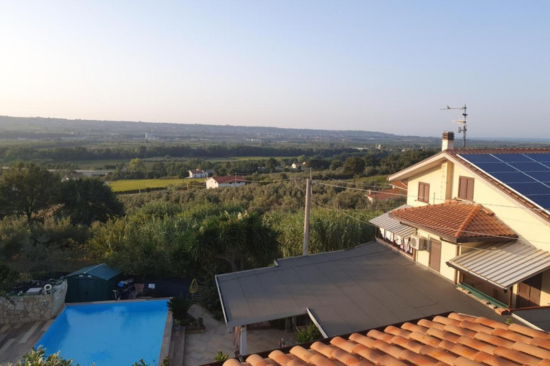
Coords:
448,141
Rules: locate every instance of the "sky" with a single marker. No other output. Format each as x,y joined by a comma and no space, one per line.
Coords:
380,65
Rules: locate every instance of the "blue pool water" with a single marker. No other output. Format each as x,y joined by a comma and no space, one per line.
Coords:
111,334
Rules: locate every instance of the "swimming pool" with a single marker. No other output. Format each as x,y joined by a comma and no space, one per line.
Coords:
108,334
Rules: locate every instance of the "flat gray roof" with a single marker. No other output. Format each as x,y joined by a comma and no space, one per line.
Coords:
345,291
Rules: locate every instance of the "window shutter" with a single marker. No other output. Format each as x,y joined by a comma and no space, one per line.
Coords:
466,188
470,190
427,193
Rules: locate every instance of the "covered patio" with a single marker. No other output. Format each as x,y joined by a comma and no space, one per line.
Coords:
342,292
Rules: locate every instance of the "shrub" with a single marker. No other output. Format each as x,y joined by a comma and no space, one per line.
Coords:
220,356
179,307
309,334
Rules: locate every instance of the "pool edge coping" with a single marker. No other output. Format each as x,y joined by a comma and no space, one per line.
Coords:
166,338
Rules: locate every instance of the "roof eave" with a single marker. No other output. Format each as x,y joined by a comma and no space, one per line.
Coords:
414,169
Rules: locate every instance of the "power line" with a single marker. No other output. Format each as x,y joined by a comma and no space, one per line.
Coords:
342,211
438,199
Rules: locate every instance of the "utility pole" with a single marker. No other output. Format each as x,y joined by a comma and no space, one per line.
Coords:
306,218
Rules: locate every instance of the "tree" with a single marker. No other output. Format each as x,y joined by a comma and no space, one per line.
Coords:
137,166
335,164
27,189
89,200
271,164
354,165
241,240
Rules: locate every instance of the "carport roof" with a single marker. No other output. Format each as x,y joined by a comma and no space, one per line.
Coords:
345,291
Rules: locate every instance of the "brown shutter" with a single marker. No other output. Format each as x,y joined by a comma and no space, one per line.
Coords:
466,188
470,190
427,193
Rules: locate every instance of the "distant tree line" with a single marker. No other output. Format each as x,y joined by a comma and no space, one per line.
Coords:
60,154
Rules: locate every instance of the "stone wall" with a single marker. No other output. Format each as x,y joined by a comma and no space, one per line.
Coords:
21,309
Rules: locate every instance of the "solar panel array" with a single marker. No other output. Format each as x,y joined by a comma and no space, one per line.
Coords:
527,174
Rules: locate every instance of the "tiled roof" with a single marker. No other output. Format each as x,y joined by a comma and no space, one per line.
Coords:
453,340
199,171
400,184
387,194
229,179
455,221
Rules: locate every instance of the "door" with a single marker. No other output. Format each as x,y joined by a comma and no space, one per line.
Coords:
435,255
529,292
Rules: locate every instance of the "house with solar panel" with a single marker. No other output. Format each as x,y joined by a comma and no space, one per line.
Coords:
481,219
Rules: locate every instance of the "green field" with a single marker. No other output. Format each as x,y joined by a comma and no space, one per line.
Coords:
137,184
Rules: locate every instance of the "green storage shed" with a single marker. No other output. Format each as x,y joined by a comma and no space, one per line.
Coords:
94,283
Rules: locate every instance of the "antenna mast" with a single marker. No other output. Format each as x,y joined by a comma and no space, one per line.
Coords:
463,128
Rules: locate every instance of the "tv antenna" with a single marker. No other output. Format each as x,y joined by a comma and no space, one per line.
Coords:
462,122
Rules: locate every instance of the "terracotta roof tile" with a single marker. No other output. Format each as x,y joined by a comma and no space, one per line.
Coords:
463,341
494,340
456,221
229,179
461,361
400,184
530,332
417,359
541,342
387,194
517,356
511,335
479,345
532,350
409,344
490,323
493,360
476,327
459,349
443,335
430,324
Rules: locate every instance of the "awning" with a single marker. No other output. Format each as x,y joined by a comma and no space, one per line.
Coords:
503,265
392,225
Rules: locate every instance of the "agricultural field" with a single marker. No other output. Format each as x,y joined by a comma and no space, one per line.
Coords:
128,185
237,158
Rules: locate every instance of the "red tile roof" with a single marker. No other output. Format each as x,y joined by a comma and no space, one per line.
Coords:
387,194
400,184
455,221
229,179
453,340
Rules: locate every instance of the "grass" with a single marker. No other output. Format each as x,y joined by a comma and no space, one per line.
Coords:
126,185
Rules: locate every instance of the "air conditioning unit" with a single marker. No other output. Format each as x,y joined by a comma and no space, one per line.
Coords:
418,243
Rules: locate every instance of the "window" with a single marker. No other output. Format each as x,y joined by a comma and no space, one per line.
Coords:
424,192
466,188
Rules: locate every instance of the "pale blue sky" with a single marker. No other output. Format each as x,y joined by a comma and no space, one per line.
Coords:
371,65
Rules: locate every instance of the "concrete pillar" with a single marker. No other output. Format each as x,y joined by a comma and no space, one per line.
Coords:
243,343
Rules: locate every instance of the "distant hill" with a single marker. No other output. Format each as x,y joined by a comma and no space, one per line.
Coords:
57,128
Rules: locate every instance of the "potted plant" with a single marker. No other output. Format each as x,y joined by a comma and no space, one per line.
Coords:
177,324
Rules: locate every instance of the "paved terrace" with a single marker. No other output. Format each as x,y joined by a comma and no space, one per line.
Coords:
346,291
18,339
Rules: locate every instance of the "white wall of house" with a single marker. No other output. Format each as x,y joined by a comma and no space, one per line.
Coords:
444,182
198,175
211,183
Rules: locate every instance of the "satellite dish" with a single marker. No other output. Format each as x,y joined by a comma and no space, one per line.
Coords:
459,129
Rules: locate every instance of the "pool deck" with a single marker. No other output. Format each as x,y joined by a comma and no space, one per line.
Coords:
18,339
